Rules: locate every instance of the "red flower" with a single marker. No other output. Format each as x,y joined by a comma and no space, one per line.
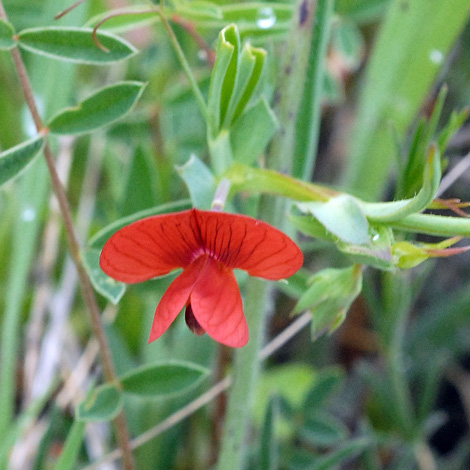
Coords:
208,246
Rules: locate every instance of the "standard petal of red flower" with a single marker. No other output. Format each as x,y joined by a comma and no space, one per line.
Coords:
217,305
156,245
151,247
242,242
174,299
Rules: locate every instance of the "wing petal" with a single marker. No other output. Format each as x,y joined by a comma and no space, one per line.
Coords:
242,242
217,305
152,247
174,299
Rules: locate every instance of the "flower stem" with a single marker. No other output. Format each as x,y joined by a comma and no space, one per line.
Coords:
220,196
431,224
397,302
246,370
74,247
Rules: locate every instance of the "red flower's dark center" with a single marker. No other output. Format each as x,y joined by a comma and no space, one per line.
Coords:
191,321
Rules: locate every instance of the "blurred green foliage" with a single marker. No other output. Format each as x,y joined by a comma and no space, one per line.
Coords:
386,390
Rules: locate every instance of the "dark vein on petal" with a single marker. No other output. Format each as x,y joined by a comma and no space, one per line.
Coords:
226,253
126,255
198,235
159,246
254,248
114,243
183,237
236,252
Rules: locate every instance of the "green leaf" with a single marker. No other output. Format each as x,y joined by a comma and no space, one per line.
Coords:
343,216
311,227
408,55
361,10
257,180
252,132
376,253
386,212
139,181
6,35
309,114
75,45
341,454
269,449
322,429
163,379
278,380
15,160
233,81
326,383
68,457
296,285
103,404
223,77
199,181
249,70
454,124
408,255
105,285
411,179
197,9
100,238
100,109
329,297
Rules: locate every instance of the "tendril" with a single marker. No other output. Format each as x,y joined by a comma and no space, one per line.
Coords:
114,15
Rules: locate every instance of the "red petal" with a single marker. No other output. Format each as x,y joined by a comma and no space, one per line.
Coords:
152,247
242,242
217,305
174,299
155,246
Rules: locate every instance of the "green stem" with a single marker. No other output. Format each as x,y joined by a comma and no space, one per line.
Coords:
220,196
184,63
260,180
396,309
434,225
246,370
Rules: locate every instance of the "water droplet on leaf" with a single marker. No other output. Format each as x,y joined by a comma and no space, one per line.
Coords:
28,214
266,18
202,55
436,56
